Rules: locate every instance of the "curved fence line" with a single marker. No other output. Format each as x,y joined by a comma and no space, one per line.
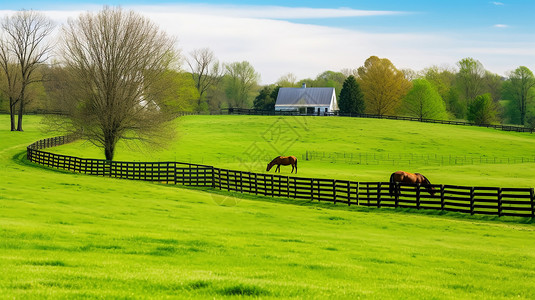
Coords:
518,202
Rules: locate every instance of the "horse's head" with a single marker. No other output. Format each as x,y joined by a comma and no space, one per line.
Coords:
269,166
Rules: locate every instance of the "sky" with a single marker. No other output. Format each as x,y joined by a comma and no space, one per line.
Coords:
306,38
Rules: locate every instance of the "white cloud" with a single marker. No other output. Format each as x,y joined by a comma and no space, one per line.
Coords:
497,3
500,26
266,12
276,47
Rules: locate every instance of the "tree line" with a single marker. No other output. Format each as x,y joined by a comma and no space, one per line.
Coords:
465,92
116,76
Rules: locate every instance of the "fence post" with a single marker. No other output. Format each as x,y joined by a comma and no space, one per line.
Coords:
418,190
241,182
348,193
358,193
396,194
472,202
442,200
334,191
532,194
379,195
213,177
499,202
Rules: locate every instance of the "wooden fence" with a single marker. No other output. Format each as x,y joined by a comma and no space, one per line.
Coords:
244,111
518,202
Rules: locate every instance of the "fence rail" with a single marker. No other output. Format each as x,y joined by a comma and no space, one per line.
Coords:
498,201
244,111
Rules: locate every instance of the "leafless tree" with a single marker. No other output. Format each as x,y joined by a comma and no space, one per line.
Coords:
205,70
114,58
23,48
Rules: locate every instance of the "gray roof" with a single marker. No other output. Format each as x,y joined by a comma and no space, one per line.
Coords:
305,96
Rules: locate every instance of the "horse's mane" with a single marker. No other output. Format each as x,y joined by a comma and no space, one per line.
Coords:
273,161
426,180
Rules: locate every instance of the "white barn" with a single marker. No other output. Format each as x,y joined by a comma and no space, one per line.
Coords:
318,101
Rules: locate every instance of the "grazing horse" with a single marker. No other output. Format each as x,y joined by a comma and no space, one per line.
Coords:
283,160
406,177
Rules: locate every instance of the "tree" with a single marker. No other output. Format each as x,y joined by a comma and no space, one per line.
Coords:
351,99
114,57
383,85
176,91
288,80
205,71
470,79
23,48
242,80
424,102
519,85
482,110
442,79
264,100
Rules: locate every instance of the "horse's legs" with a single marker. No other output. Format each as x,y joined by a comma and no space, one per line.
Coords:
278,169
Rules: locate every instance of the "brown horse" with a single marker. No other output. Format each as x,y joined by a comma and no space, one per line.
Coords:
406,177
283,160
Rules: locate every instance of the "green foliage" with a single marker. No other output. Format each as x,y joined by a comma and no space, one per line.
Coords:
424,102
240,81
351,99
520,89
176,92
383,86
482,110
264,100
470,79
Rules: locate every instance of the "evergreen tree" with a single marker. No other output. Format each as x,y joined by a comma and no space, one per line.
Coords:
351,99
264,101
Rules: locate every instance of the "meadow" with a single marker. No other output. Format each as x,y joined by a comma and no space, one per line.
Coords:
373,149
66,236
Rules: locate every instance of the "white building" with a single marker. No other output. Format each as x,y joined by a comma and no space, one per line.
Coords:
317,101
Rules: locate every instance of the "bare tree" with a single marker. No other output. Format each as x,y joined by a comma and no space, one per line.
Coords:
205,70
23,48
114,58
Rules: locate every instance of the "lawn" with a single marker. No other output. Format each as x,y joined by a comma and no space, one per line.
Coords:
343,148
67,236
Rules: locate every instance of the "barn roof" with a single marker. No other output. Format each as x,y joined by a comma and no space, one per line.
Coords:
305,96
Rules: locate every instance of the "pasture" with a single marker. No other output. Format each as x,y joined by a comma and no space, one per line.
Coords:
248,143
66,235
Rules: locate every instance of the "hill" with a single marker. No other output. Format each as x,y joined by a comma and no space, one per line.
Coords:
344,148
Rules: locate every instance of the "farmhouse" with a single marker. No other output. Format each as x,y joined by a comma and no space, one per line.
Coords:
320,101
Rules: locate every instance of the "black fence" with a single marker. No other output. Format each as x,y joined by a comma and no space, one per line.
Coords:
243,111
518,202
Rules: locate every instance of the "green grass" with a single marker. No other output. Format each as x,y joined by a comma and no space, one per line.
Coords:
66,236
249,142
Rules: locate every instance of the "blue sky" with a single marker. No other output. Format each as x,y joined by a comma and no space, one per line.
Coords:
308,37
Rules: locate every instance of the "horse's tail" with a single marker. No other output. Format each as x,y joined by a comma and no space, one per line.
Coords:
392,186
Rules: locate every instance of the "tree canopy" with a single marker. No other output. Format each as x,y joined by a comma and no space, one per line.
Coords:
482,110
383,86
114,58
423,101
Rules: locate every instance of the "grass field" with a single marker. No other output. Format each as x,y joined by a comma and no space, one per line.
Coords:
249,142
66,236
